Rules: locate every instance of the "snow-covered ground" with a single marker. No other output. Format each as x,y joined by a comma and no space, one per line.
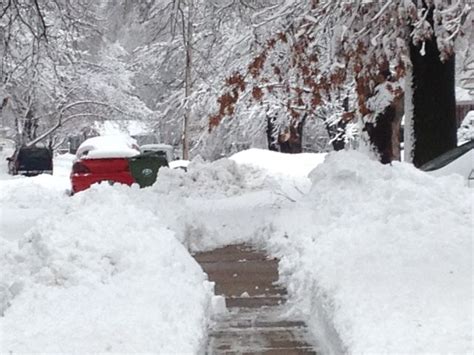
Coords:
377,259
94,273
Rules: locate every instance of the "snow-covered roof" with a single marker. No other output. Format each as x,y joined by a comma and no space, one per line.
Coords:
114,146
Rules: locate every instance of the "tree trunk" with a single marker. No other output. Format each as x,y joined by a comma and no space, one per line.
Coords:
399,105
385,133
291,141
288,141
271,140
434,103
380,134
337,139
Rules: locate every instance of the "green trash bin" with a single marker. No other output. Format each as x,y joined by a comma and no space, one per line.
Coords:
144,167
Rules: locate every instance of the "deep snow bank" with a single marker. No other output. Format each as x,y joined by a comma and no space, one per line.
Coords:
228,201
275,163
219,179
384,254
101,274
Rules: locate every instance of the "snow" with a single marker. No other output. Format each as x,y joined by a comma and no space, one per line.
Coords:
79,277
179,164
385,254
463,95
274,163
113,146
118,127
377,259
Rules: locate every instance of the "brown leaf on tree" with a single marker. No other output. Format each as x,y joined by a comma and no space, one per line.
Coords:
357,67
225,101
348,116
271,43
294,114
214,121
305,70
282,37
361,48
400,70
298,91
236,80
313,58
300,47
315,99
257,64
337,78
257,93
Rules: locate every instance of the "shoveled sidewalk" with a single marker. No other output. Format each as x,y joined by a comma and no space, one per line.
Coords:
255,322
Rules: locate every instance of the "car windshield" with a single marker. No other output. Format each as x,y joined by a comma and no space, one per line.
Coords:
448,157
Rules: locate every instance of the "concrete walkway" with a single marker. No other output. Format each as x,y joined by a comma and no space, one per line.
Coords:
255,322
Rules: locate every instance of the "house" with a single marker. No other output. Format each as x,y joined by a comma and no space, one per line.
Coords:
464,104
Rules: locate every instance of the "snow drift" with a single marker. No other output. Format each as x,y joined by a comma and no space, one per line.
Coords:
102,274
384,253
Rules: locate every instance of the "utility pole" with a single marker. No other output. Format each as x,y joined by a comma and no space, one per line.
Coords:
188,36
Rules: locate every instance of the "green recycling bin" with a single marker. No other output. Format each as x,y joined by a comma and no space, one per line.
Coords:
144,167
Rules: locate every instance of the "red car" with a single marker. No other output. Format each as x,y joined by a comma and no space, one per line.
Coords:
104,158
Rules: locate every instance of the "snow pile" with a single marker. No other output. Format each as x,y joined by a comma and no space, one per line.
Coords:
463,95
28,192
218,179
380,257
85,279
274,163
63,165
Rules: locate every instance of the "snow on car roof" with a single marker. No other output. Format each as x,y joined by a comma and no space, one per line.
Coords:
116,146
157,146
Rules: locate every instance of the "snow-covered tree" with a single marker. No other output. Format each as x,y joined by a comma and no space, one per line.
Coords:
348,60
57,72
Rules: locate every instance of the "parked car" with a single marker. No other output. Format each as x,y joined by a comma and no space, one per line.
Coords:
459,160
114,159
165,150
103,158
31,161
